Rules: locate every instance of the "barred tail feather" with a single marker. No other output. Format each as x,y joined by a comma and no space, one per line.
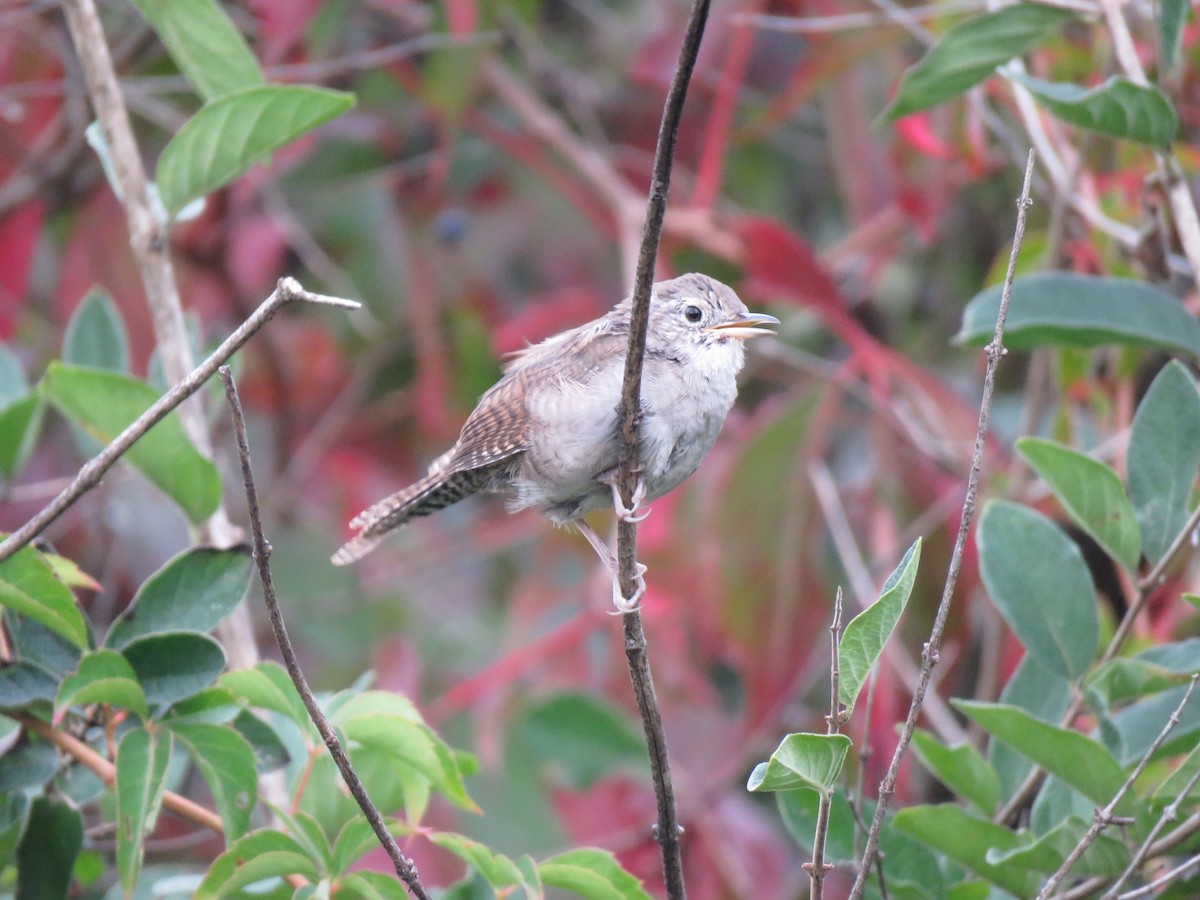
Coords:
433,492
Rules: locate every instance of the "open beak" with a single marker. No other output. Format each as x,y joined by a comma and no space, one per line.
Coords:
748,326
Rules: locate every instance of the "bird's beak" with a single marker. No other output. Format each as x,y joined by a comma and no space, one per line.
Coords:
748,326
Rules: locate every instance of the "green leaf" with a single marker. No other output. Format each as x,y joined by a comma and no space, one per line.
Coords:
28,585
141,772
1038,580
372,886
868,632
192,592
967,839
1118,108
1076,759
14,813
969,52
23,682
1163,457
95,335
106,403
255,857
1123,679
1092,495
1065,309
594,874
411,744
205,44
799,809
580,736
802,761
226,761
232,133
13,383
1172,16
20,423
267,686
496,869
52,840
962,769
1172,788
270,753
103,676
27,767
174,665
1106,856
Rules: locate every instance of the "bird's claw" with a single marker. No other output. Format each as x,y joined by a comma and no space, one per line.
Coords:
629,513
625,604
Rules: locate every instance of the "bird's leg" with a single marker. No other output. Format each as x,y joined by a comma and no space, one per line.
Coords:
626,513
623,604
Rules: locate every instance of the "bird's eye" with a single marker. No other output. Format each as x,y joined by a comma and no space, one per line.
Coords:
693,314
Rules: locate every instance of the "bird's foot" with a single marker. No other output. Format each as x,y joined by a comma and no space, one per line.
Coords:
630,513
622,603
625,604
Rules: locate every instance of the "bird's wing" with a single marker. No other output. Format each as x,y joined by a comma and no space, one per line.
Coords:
568,343
496,430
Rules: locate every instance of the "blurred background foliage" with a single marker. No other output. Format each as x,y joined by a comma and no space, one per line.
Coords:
486,192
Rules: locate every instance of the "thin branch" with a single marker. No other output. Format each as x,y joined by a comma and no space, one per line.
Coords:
107,772
89,476
818,868
628,417
1169,814
1180,872
1104,817
262,553
929,657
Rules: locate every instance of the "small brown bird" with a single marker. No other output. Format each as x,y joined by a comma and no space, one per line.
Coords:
546,433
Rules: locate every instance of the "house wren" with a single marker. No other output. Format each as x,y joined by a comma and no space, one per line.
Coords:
546,433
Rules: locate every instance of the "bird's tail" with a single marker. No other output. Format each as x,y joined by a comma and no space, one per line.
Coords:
433,492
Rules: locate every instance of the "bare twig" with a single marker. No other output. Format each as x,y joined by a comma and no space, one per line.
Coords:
1180,872
818,868
929,657
1104,817
262,553
89,476
628,418
107,772
1169,814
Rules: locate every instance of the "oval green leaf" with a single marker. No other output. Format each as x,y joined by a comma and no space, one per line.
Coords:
1118,108
1074,758
205,44
1038,580
103,676
966,838
267,686
192,592
255,857
582,737
20,424
496,869
52,840
969,52
868,632
30,586
1106,856
226,760
95,336
592,874
230,134
141,771
174,665
1065,309
1092,495
802,761
106,403
1163,457
962,769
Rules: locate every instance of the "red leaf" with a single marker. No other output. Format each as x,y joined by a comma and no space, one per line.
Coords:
779,262
916,131
18,234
